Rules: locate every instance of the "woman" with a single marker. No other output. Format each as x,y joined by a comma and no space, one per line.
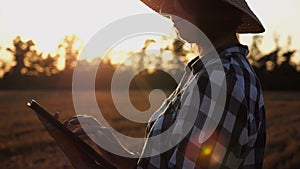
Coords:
238,141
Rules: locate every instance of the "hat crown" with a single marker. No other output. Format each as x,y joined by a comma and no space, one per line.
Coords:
250,22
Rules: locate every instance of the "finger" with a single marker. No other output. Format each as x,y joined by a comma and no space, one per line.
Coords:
56,115
100,133
85,121
87,130
66,123
74,120
96,132
79,132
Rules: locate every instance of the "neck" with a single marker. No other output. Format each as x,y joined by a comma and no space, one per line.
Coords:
226,39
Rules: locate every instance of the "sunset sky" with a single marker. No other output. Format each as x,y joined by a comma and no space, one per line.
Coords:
47,22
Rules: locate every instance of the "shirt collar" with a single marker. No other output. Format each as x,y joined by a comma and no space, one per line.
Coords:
227,51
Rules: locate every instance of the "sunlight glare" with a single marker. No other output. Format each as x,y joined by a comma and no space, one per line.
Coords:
167,55
117,57
5,55
61,52
151,70
206,150
78,45
61,63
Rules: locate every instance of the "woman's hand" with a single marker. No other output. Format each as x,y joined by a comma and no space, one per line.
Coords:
89,126
99,133
76,157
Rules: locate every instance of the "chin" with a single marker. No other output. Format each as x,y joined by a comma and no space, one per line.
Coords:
188,31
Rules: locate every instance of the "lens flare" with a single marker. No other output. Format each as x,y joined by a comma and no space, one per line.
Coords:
206,150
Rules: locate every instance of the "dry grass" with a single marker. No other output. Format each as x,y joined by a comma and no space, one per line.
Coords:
283,126
25,144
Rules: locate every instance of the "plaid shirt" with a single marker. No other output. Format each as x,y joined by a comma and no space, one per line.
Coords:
238,141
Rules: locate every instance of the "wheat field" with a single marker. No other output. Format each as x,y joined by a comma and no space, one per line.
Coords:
24,144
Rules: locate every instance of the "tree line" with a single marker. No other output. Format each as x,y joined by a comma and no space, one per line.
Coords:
33,69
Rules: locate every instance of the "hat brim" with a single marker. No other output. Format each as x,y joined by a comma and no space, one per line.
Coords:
250,22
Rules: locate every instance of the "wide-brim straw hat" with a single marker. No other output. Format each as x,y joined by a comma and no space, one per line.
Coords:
250,22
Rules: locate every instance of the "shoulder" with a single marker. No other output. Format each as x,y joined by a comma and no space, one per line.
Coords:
230,67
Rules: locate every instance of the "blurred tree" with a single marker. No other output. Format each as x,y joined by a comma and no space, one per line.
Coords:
69,49
29,61
287,65
26,57
178,49
3,67
268,62
18,50
179,56
276,38
142,54
255,51
5,63
279,59
50,65
165,54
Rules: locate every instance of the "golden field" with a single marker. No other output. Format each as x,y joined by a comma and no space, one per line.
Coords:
24,144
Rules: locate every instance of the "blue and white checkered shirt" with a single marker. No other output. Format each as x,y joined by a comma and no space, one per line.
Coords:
237,141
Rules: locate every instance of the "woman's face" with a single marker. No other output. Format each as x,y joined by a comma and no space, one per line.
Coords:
184,21
174,7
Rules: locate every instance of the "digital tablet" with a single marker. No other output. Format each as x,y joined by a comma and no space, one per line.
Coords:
80,144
